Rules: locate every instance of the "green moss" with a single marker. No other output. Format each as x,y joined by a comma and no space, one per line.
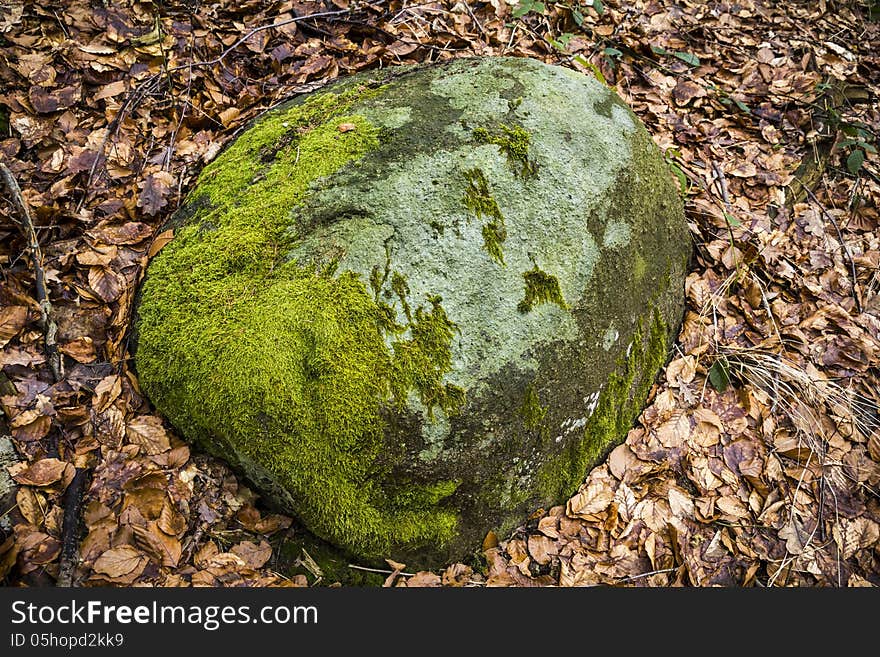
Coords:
421,496
619,404
514,142
479,200
540,287
640,267
270,358
531,411
420,362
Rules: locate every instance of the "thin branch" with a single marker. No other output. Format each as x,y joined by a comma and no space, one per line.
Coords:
50,328
379,570
474,19
136,95
843,244
70,529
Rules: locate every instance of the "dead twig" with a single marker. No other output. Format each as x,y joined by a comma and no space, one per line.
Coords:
73,495
843,245
70,528
26,223
138,93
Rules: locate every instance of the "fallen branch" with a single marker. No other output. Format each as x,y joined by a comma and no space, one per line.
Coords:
73,496
136,95
70,528
843,245
26,223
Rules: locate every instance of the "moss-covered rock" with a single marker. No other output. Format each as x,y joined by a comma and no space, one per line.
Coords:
420,303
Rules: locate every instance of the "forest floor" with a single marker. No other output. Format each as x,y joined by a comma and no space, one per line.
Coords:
757,460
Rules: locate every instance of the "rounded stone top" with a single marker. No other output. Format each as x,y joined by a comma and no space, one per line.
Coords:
419,303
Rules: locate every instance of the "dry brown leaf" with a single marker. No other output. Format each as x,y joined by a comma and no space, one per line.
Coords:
255,555
686,91
82,350
744,170
680,503
855,534
97,256
155,191
105,283
707,431
110,90
31,505
675,431
205,553
131,232
12,320
120,561
170,521
33,430
592,498
681,370
541,548
549,526
457,574
161,547
107,391
147,432
43,472
423,578
159,243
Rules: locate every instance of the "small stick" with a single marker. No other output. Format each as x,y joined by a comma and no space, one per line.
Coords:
70,528
138,93
378,570
474,19
843,244
73,496
653,572
50,328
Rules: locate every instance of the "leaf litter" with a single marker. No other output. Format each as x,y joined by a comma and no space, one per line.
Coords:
757,459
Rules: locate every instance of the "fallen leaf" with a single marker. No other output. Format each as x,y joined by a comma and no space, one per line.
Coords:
681,503
423,578
34,430
686,91
154,192
110,90
254,555
107,391
591,499
120,561
161,547
744,170
147,432
82,350
43,472
47,102
159,243
105,283
12,320
541,548
457,574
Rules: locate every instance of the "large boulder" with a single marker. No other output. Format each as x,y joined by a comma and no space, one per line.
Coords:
420,303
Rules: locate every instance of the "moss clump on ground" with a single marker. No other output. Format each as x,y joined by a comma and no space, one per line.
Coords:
514,142
479,200
540,287
270,358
